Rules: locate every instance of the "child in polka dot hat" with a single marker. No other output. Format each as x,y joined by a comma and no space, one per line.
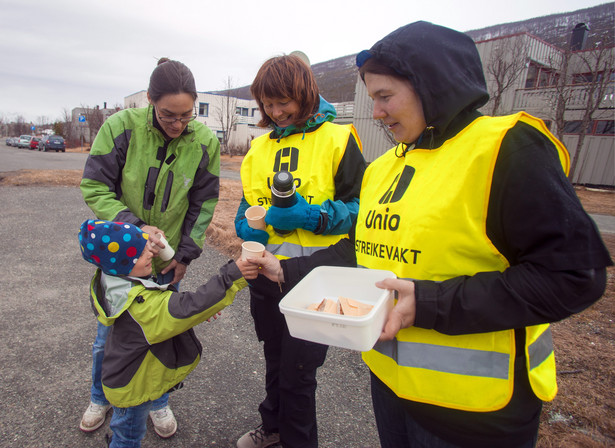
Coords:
152,347
114,247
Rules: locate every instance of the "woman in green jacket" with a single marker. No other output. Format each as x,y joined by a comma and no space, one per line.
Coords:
156,168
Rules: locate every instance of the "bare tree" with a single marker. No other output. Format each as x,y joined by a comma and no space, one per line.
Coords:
583,83
562,94
505,66
42,120
227,116
21,126
94,119
597,65
67,125
58,128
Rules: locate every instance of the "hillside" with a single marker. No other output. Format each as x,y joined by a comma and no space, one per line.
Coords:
336,78
556,28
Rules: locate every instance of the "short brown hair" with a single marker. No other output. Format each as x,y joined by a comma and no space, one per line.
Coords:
286,77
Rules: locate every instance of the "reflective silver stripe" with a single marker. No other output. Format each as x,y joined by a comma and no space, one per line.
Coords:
541,348
292,250
439,358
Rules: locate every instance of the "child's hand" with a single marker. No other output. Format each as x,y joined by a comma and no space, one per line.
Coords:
153,247
249,270
267,265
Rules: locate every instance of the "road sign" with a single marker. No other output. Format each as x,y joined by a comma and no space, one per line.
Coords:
33,128
81,118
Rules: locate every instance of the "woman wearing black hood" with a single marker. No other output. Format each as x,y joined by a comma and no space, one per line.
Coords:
488,239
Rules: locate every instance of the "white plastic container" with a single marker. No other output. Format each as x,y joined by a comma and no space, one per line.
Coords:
351,332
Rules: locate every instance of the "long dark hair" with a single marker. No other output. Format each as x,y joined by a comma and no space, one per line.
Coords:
286,77
171,77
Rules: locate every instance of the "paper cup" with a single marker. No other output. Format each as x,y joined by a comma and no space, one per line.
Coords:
251,249
167,253
256,217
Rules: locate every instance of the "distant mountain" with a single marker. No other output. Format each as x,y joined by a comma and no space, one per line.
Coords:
336,78
556,29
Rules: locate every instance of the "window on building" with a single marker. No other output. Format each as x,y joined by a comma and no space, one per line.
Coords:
254,111
204,109
547,78
582,78
574,127
243,111
540,76
220,135
532,76
605,127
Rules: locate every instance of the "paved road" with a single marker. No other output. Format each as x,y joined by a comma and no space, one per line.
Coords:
47,329
13,159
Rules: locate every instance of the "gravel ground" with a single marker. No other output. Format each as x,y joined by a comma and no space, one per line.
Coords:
47,329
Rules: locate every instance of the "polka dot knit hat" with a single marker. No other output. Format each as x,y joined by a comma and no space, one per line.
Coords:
112,246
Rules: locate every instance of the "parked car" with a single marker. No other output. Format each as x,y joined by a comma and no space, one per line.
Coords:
51,142
24,141
34,142
12,141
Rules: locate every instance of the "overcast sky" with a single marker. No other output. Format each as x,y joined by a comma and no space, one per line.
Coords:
59,54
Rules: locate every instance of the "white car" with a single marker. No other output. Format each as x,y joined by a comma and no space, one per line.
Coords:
24,141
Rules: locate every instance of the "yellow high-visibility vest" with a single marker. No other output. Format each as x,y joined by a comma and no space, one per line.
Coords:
423,216
313,159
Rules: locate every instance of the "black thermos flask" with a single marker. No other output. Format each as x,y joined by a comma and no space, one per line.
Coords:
283,194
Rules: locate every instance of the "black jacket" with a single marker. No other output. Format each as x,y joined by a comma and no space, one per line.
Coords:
535,219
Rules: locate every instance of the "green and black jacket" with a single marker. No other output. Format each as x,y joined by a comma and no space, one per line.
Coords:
152,347
135,175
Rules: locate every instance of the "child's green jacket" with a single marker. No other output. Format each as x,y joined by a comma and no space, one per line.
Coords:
152,347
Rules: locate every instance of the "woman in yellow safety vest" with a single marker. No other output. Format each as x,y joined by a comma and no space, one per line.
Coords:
487,237
326,165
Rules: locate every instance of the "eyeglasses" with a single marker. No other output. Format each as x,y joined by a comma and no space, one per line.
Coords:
171,120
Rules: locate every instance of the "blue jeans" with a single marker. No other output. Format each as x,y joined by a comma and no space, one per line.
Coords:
129,425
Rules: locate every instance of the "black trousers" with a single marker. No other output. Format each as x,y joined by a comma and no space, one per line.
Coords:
291,364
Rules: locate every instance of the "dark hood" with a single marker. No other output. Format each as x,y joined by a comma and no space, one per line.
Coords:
444,68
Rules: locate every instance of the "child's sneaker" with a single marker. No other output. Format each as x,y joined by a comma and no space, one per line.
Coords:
94,417
164,422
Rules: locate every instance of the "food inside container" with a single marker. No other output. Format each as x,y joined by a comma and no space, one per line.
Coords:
343,306
329,284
